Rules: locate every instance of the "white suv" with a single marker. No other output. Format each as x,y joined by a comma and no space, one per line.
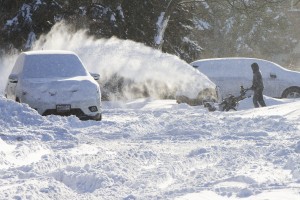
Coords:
55,82
231,73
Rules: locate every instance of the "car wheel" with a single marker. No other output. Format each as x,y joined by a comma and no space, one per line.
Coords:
291,93
99,118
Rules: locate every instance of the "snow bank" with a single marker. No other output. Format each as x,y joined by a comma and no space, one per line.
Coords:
151,149
14,114
271,195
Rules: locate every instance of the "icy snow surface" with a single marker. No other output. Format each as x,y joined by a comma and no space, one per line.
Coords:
152,149
149,148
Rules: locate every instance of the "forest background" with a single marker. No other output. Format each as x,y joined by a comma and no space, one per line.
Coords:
190,29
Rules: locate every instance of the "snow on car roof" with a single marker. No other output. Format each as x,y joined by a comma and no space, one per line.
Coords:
235,59
48,52
49,63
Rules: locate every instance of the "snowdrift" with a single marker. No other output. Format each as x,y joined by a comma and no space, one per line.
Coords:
151,149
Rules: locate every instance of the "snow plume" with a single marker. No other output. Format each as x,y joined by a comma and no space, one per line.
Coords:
127,68
6,63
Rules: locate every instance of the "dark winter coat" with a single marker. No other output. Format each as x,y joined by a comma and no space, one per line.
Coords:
257,82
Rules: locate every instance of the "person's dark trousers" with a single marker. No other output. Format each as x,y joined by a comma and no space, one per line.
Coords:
258,99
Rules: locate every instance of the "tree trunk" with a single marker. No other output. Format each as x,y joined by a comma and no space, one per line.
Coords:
162,23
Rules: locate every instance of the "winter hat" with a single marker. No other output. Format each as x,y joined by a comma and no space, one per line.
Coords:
255,67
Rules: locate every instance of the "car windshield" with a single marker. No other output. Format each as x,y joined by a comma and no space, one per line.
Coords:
53,65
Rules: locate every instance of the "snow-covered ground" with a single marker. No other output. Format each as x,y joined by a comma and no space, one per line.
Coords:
152,149
147,148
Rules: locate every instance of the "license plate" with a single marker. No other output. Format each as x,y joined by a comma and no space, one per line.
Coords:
62,108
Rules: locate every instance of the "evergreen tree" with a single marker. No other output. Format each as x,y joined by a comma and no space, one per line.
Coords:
194,29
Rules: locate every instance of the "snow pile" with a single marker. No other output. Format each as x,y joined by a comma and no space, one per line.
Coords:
151,149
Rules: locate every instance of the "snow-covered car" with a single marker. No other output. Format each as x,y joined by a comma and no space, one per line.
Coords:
55,82
231,73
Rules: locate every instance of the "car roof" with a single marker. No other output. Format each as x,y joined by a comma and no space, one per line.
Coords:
233,59
46,52
228,61
25,57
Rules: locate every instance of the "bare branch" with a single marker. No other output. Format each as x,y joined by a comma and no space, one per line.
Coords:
193,1
296,2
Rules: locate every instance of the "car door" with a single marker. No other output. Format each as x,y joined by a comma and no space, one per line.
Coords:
271,83
273,80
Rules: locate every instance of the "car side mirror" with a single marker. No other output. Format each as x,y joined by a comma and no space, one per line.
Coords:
95,76
13,78
272,75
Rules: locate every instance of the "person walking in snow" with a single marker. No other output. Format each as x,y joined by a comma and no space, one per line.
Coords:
257,86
